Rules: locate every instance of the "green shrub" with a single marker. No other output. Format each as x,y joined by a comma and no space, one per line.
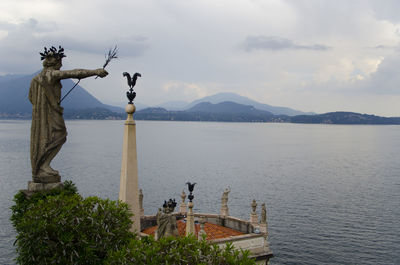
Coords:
60,227
184,250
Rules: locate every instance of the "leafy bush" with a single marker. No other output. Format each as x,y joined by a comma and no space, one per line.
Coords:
184,250
60,227
22,202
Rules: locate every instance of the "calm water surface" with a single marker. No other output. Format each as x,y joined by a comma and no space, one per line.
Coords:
332,191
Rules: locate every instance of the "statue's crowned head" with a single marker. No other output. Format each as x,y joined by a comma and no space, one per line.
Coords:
169,206
52,57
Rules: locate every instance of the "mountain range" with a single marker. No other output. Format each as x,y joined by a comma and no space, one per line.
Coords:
80,104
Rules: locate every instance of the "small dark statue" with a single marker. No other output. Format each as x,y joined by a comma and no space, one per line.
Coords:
166,222
48,131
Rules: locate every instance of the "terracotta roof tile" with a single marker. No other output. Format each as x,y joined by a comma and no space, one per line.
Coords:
213,231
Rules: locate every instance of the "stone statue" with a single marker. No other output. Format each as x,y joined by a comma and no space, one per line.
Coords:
141,202
48,131
254,206
224,198
263,214
166,222
224,203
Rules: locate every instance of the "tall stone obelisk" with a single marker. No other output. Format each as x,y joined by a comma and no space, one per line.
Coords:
129,189
190,227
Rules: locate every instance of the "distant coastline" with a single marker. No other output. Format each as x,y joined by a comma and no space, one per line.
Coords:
254,115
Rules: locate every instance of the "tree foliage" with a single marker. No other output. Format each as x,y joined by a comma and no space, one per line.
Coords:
61,227
183,250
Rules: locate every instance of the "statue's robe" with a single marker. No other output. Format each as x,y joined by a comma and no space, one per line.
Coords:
167,225
48,131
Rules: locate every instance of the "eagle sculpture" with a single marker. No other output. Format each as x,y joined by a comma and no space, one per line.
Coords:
191,188
131,81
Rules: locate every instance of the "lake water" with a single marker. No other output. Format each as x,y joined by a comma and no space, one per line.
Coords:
332,191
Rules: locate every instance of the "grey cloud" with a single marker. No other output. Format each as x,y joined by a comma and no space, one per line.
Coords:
20,48
395,48
277,43
130,46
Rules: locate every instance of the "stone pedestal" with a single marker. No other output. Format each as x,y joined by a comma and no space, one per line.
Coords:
190,229
224,210
263,228
129,191
254,219
33,186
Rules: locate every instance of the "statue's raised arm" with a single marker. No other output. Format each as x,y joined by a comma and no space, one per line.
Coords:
48,131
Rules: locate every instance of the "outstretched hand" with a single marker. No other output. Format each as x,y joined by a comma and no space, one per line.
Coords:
101,72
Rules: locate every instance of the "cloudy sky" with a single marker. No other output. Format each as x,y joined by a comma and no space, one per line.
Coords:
309,55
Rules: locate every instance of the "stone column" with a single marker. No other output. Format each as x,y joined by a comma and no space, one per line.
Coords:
190,221
128,191
253,215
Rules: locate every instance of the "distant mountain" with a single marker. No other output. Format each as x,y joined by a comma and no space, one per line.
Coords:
14,90
341,117
221,97
227,107
205,111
